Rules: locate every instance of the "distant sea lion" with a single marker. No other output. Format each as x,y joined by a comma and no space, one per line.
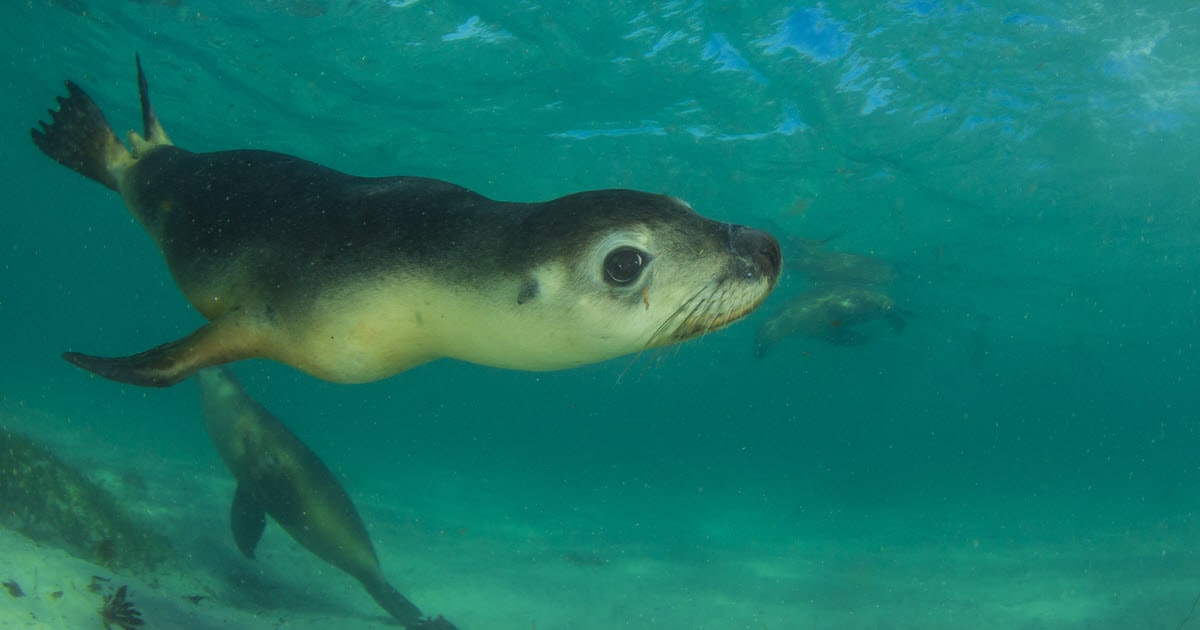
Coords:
354,279
822,265
831,267
280,476
829,313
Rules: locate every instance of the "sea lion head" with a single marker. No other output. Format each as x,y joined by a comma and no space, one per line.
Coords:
619,271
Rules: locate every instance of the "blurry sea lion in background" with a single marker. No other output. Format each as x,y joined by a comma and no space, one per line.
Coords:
278,475
821,265
832,267
354,279
829,313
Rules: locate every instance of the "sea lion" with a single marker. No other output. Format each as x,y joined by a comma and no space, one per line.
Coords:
353,279
829,313
821,265
834,267
278,475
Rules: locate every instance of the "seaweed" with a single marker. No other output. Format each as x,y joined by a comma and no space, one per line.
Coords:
13,588
106,551
120,612
97,583
51,502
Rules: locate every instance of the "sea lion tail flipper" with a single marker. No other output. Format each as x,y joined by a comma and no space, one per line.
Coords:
434,623
215,343
400,607
247,519
153,130
79,137
896,319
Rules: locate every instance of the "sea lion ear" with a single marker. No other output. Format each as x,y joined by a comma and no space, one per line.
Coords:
529,290
248,519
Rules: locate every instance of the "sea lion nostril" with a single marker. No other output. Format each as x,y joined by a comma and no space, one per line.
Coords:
769,255
760,247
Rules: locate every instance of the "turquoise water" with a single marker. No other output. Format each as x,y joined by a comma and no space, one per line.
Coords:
1031,169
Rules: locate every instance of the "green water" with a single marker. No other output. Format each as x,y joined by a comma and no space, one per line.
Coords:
1031,170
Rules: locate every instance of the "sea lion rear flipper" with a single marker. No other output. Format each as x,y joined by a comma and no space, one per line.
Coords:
154,133
434,623
80,138
214,343
400,607
247,519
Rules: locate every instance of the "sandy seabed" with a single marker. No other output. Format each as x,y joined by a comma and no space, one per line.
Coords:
877,569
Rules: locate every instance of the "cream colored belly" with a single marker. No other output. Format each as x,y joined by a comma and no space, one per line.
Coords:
370,334
358,336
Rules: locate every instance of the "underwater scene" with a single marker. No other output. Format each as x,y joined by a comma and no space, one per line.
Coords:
922,357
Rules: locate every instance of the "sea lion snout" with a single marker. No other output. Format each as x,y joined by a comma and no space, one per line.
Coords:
760,248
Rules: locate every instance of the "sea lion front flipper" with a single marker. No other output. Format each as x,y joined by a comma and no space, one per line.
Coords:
248,519
844,336
220,341
896,320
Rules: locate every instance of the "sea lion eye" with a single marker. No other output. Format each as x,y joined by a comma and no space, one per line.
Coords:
623,265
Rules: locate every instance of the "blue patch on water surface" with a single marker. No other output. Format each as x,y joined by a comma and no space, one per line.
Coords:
1007,100
925,10
792,122
814,33
476,28
664,42
937,112
857,79
919,8
1161,120
877,97
1124,66
852,78
727,58
649,129
1025,19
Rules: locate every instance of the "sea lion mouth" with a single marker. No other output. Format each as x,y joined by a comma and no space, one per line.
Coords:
708,310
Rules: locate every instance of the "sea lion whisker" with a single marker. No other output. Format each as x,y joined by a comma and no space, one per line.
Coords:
654,354
711,318
668,323
691,305
629,365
